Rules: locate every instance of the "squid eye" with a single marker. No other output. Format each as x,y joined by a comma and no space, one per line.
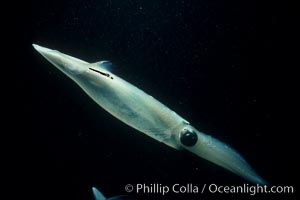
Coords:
188,138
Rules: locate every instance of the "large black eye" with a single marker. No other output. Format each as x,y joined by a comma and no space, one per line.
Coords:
188,138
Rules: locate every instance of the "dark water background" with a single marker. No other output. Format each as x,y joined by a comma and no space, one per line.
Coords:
217,63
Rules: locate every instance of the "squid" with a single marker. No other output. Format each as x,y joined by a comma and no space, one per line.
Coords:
99,196
146,114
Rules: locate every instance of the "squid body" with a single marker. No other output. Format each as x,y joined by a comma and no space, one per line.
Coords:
144,113
99,196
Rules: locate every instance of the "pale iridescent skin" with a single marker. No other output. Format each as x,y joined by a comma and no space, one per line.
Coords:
144,113
99,196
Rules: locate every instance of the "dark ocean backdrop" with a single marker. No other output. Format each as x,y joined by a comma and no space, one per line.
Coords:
216,63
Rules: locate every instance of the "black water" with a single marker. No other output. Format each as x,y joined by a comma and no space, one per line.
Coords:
216,63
